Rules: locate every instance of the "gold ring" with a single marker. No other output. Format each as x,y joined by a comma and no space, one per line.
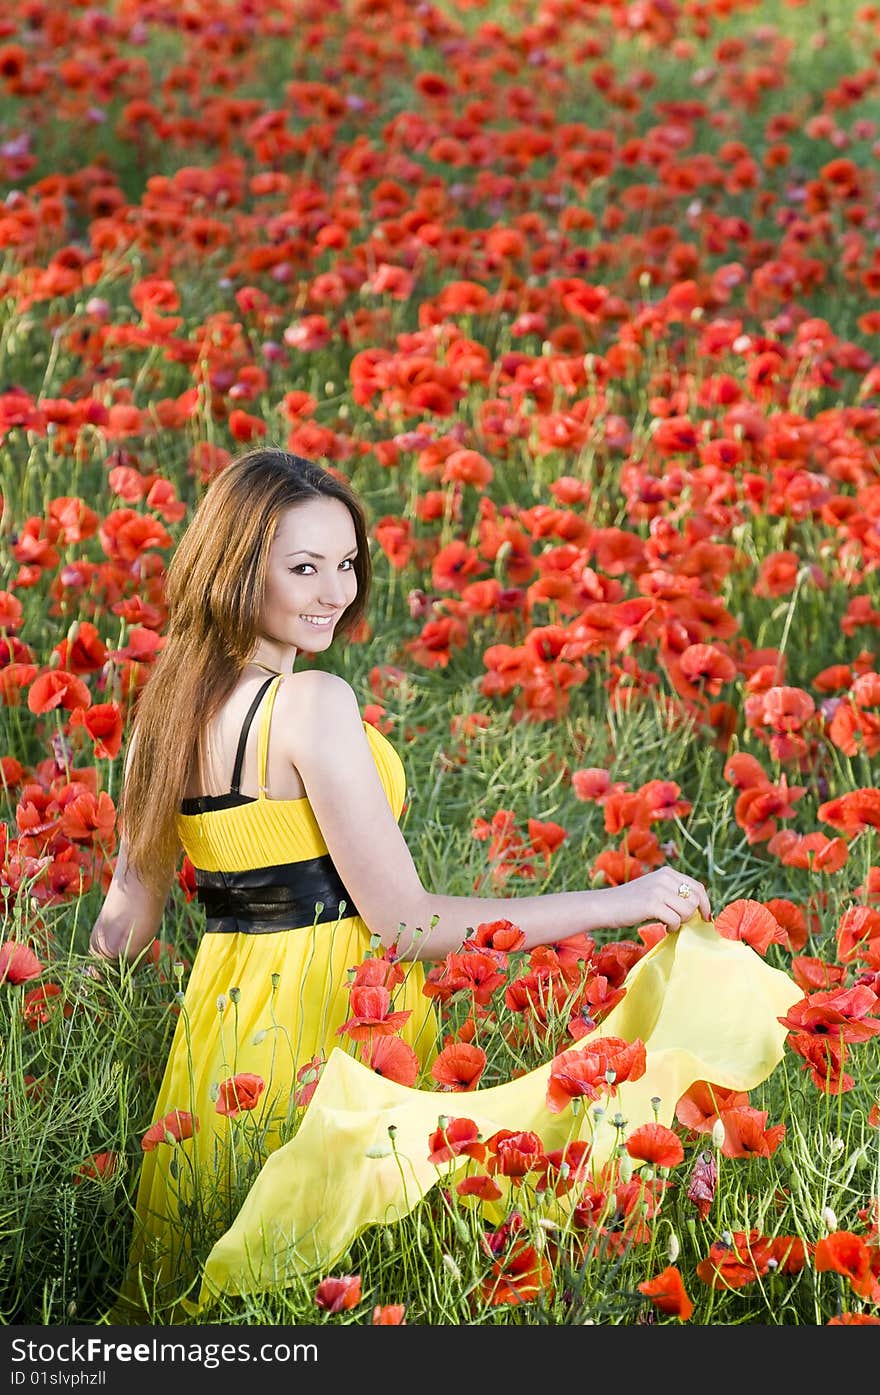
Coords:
684,890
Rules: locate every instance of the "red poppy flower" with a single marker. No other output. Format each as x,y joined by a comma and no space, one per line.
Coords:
480,971
308,1077
499,934
480,1185
573,1074
99,1165
459,1066
394,1060
852,812
389,1315
515,1154
371,1015
335,1295
173,1128
790,1253
378,972
848,1254
811,974
36,1009
703,1183
456,1137
18,963
823,1058
746,1134
750,921
573,954
539,995
791,919
655,1144
667,1293
566,1167
858,926
239,1092
701,1104
582,1071
517,1278
736,1263
841,1014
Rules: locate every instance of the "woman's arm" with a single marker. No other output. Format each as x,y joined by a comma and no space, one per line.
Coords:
330,750
548,918
131,914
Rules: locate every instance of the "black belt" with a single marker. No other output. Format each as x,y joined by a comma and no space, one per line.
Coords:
266,899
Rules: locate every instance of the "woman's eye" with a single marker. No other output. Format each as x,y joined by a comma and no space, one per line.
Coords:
298,568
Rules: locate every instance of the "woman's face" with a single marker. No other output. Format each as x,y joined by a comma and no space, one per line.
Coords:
311,580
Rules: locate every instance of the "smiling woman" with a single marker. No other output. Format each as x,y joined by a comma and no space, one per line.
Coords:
308,885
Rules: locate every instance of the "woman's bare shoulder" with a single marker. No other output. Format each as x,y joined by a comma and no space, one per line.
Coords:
313,684
315,704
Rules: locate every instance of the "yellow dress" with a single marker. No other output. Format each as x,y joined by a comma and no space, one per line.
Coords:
267,991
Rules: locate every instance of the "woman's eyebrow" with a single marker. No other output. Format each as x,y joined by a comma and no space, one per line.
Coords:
317,554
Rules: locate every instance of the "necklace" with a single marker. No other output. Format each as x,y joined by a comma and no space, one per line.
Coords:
275,671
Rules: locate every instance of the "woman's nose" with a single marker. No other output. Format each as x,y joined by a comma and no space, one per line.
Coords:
336,592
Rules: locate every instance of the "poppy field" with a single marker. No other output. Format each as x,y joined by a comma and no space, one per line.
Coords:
583,296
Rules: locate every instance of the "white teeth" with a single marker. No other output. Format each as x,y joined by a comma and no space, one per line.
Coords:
322,623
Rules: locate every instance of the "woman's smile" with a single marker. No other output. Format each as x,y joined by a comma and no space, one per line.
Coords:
320,622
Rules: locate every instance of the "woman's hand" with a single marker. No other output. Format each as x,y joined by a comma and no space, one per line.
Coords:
656,896
99,945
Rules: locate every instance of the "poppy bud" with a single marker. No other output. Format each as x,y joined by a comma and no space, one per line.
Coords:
718,1133
452,1268
222,1002
829,1220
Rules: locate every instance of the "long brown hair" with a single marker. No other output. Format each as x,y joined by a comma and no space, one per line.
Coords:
214,593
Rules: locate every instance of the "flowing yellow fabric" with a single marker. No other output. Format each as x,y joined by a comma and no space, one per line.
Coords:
706,1008
292,995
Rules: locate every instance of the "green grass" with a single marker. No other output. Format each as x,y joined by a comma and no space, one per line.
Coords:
63,1243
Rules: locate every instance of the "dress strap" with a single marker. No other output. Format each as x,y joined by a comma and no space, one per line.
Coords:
263,733
242,740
